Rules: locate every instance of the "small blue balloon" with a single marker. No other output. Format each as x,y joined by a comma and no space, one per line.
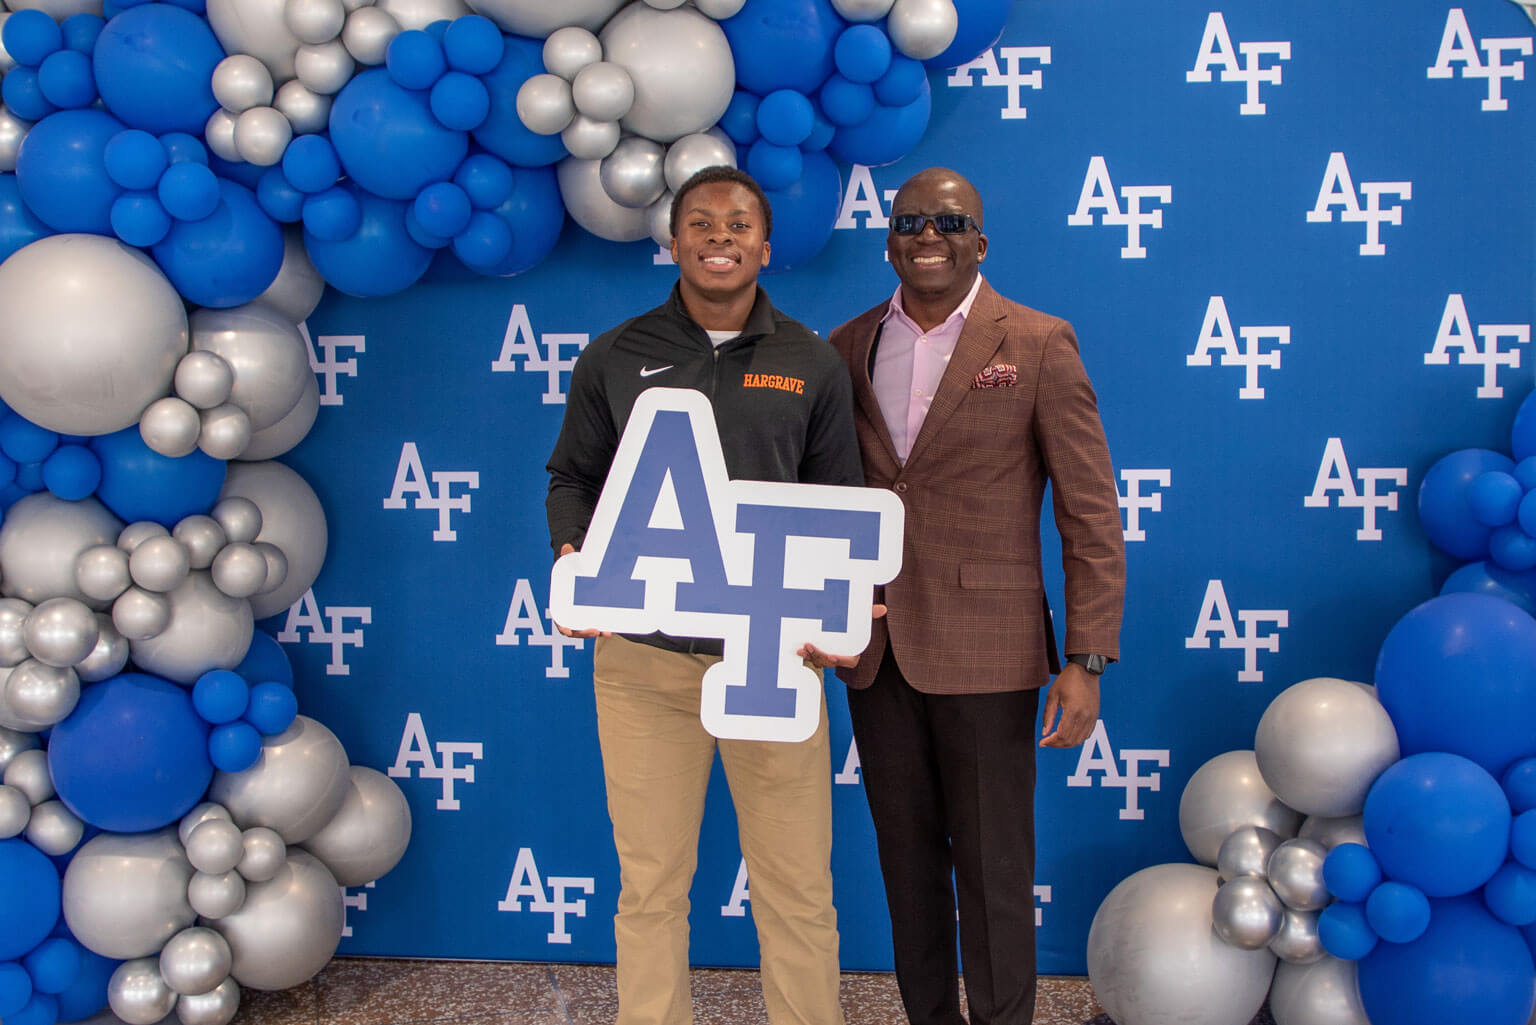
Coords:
774,167
503,132
443,209
29,477
62,170
535,216
18,225
862,53
229,257
138,483
139,219
783,44
486,180
1444,509
886,135
1511,894
72,472
387,138
181,148
272,707
1525,511
740,118
310,164
785,118
220,696
438,30
1351,872
135,159
845,102
281,201
1492,579
460,101
484,242
15,988
1397,912
189,191
1495,498
1525,473
24,441
234,747
65,79
1512,549
29,898
154,66
805,212
1522,838
415,60
53,965
30,36
420,235
1344,931
42,1009
902,83
80,31
88,993
1519,783
820,137
333,215
22,91
473,44
266,661
381,259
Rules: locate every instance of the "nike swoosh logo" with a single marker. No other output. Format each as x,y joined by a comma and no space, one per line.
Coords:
647,371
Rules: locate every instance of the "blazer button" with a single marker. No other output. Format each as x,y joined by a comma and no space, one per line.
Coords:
901,487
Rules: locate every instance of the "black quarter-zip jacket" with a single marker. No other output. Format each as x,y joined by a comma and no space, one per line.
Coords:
781,395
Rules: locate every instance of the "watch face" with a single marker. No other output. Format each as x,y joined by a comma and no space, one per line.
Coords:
1093,663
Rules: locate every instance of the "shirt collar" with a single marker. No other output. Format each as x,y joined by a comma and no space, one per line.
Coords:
962,311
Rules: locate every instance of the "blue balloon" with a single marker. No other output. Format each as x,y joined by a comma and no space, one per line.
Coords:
226,259
886,135
1344,932
484,242
139,219
862,53
272,707
1444,509
7,470
486,180
1525,508
1522,838
381,259
473,44
415,60
19,226
72,472
333,215
1351,872
740,118
804,213
138,483
65,79
88,993
31,38
310,164
459,101
29,898
30,476
181,147
24,441
22,91
1511,894
845,102
443,209
1397,912
135,159
42,1009
820,137
1491,579
1469,651
131,788
1438,821
281,201
1495,498
1512,548
420,235
1519,783
783,44
154,66
387,139
535,214
503,132
1522,436
62,170
234,747
80,33
1467,969
902,83
266,661
53,965
189,191
785,118
15,988
775,167
981,25
220,696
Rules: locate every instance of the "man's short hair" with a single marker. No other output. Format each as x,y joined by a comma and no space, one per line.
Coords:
723,173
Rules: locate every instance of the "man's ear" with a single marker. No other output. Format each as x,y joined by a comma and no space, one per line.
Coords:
766,250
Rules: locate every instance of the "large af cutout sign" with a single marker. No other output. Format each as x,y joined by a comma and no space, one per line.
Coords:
676,546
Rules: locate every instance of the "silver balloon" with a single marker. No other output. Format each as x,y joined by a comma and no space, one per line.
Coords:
241,82
195,960
139,615
1321,744
288,928
39,693
291,519
109,656
226,431
665,5
240,518
1246,852
1297,941
538,18
277,566
41,538
581,188
603,91
862,10
58,10
692,153
314,21
28,773
126,894
265,352
263,133
219,134
1321,993
216,1007
214,896
368,33
239,570
54,829
273,441
170,427
297,785
204,379
922,28
587,139
659,217
264,854
93,331
13,743
720,9
197,816
1296,872
1223,795
101,572
632,174
12,130
1153,958
1332,832
159,564
1246,913
61,632
137,994
215,846
203,537
369,834
297,289
207,630
136,533
681,66
15,812
569,49
13,631
255,27
307,111
418,14
325,68
544,104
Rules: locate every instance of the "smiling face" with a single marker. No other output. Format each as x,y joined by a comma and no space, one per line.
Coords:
936,270
720,244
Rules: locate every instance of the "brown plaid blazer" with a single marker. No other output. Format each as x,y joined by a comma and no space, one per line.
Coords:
1014,409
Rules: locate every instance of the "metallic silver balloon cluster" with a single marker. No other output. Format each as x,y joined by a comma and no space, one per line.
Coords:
28,802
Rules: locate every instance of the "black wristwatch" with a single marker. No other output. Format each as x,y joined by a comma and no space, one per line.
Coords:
1095,664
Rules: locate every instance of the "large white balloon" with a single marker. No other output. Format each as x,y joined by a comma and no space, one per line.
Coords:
291,519
40,539
297,289
298,784
1321,744
538,18
681,67
271,442
581,187
256,27
126,894
1153,958
418,14
370,832
1321,993
91,334
288,928
207,630
264,350
1225,793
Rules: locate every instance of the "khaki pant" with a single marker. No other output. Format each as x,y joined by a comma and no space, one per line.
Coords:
656,760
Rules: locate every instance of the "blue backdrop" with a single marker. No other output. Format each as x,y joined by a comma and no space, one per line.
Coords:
1296,243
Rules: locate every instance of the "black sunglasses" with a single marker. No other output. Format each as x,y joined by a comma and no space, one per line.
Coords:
947,224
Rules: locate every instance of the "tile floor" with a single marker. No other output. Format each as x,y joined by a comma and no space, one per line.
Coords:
377,991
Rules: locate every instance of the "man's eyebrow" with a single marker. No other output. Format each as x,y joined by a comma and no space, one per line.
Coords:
730,213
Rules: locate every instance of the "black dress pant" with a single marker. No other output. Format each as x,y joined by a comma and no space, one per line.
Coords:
951,784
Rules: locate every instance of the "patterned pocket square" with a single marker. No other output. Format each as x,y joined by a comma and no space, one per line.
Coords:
998,375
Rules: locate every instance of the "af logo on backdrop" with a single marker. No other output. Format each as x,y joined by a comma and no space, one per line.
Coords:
1135,501
1456,333
411,482
1216,51
1338,189
540,354
1098,756
549,896
416,749
523,617
675,545
1458,53
1099,195
328,366
1216,335
1249,632
1010,76
330,628
1333,475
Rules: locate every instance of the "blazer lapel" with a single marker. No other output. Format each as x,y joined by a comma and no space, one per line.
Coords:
979,341
864,389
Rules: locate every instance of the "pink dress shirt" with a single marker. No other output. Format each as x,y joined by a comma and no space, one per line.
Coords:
909,363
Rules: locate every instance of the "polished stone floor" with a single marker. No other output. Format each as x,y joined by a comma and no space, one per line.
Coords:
377,991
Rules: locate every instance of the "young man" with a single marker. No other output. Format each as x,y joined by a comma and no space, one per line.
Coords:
718,334
966,405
